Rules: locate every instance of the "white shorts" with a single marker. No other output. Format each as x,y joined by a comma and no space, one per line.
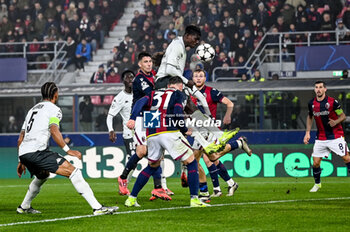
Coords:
322,148
208,137
139,132
173,142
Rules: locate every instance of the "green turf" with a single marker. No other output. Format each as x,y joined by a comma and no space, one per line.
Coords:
58,199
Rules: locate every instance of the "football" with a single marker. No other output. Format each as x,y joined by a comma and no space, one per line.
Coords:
205,52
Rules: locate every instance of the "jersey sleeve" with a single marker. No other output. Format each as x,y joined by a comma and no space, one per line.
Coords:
116,105
55,116
216,95
310,109
337,108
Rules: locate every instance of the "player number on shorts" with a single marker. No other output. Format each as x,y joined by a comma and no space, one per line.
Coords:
341,147
31,121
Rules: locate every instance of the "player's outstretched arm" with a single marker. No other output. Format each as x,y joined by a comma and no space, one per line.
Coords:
229,108
308,129
57,137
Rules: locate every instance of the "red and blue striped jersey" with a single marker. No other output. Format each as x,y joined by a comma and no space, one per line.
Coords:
213,97
162,111
323,111
142,85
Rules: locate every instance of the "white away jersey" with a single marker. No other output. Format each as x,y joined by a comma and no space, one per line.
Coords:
175,55
37,127
122,104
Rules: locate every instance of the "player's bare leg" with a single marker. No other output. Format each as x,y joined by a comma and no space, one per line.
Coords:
316,170
346,159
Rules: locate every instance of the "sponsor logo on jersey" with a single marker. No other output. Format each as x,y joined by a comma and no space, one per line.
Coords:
322,113
151,119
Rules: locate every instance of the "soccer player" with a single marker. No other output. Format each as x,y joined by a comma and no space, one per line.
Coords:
330,135
173,64
168,105
143,85
122,104
213,97
41,122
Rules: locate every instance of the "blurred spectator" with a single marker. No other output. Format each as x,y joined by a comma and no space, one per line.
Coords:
124,65
341,29
288,14
70,48
275,76
100,124
125,44
113,76
85,110
257,77
345,74
159,40
170,30
262,14
244,78
44,58
272,16
82,54
39,25
12,126
134,32
225,71
81,9
3,10
281,25
93,38
223,42
272,49
138,19
92,9
50,11
117,57
84,23
327,24
314,18
178,20
71,11
74,23
200,18
165,20
99,76
190,17
107,13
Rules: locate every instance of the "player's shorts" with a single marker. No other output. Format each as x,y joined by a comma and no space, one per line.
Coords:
322,148
173,142
162,83
208,137
139,132
39,161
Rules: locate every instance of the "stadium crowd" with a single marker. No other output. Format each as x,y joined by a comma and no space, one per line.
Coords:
233,27
79,23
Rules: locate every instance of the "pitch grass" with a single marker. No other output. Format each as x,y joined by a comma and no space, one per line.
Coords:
58,199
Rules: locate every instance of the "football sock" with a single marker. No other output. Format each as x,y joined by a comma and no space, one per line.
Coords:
317,175
223,171
202,141
203,187
200,116
234,144
213,171
33,190
193,178
157,178
84,189
348,165
163,182
142,179
130,165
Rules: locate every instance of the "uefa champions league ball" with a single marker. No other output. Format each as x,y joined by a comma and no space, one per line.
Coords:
205,52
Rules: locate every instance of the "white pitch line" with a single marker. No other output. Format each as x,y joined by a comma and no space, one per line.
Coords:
175,208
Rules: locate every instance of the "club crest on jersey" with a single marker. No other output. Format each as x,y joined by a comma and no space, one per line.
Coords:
144,85
327,105
151,119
